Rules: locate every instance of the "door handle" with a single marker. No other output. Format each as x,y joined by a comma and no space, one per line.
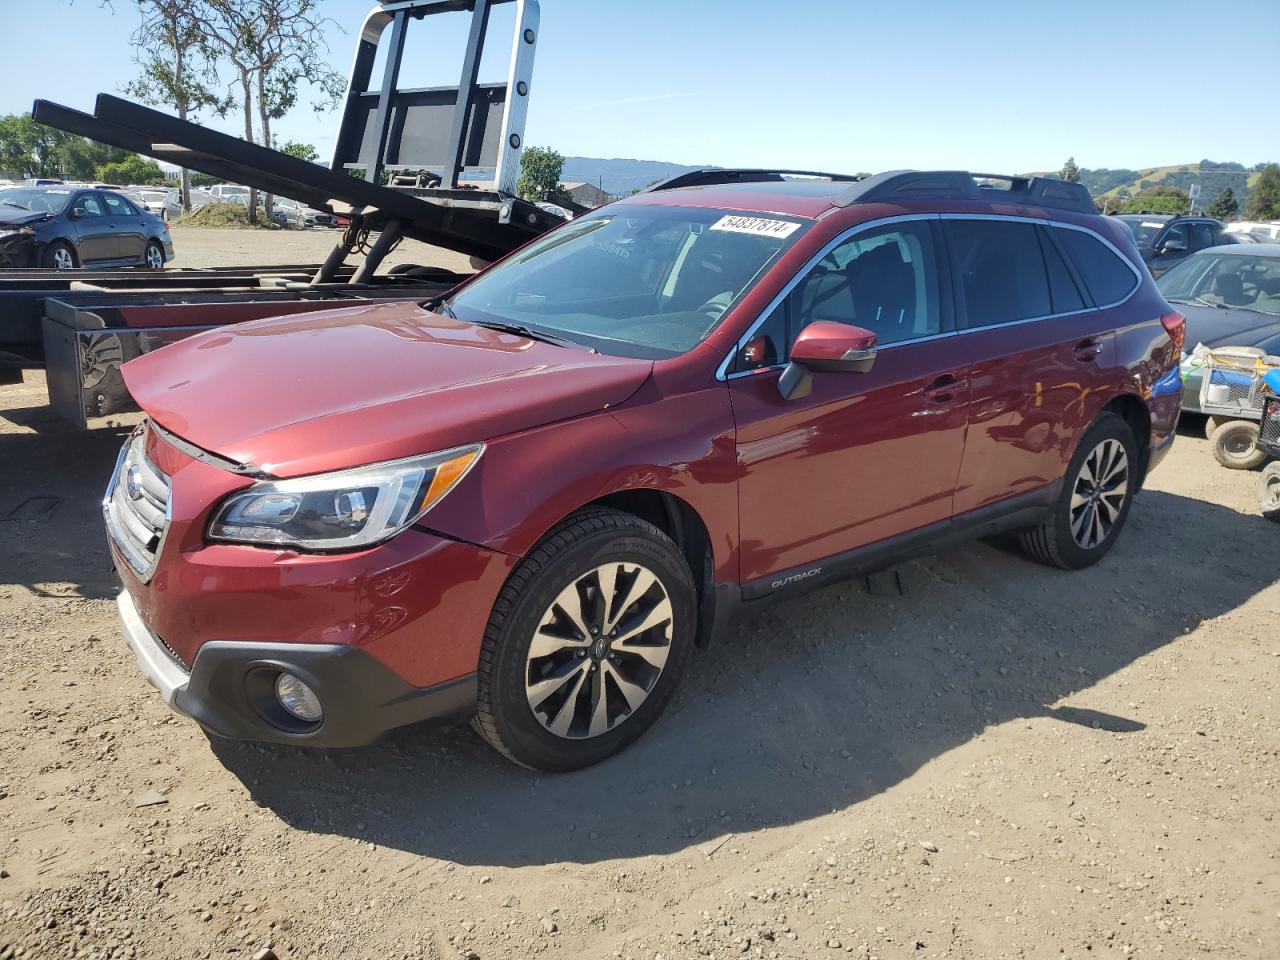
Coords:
1086,351
942,390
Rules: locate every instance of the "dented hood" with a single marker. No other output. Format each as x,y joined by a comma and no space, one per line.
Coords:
341,388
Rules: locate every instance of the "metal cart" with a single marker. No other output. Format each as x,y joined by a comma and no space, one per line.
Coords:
1269,445
1232,393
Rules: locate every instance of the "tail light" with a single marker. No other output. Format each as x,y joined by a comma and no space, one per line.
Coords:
1175,324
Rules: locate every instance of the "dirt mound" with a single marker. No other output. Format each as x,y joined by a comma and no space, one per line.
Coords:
225,216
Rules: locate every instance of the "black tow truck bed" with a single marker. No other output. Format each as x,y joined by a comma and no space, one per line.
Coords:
450,154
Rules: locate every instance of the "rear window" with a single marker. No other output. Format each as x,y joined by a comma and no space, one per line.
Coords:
1108,277
1000,271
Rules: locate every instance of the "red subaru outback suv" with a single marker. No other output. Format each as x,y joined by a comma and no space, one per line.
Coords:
528,501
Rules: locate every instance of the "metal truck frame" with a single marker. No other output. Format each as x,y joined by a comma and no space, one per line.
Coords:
451,156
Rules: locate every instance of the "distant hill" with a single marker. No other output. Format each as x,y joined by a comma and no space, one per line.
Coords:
619,177
1213,177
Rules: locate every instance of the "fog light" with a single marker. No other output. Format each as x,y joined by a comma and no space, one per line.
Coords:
299,699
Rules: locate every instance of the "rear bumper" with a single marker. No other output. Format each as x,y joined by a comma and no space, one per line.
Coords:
230,688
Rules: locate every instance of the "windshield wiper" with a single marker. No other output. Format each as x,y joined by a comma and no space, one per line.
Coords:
441,305
1199,299
520,330
16,206
438,305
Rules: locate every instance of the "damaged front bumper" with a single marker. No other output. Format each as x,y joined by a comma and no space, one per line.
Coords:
17,247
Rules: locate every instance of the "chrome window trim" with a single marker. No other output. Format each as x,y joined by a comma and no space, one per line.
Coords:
722,371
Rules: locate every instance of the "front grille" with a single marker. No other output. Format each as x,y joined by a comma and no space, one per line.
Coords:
173,654
136,507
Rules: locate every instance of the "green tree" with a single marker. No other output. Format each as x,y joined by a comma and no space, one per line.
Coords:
80,159
30,149
176,65
1264,197
135,171
1225,206
1070,172
540,169
273,47
303,151
204,179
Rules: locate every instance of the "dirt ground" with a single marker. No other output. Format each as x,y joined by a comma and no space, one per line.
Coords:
1003,761
206,247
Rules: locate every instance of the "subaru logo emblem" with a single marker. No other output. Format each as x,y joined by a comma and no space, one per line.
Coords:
133,483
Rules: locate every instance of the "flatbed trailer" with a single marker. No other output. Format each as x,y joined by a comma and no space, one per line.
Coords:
433,145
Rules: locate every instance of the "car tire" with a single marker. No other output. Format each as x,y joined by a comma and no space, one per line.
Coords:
547,648
1089,514
1269,492
1235,445
60,255
152,257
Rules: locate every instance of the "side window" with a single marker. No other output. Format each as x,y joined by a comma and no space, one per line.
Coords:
1064,295
1202,235
1000,272
1108,278
883,280
88,206
1177,235
117,206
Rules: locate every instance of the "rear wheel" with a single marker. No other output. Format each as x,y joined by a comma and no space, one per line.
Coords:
586,643
1269,492
1235,445
60,256
1099,488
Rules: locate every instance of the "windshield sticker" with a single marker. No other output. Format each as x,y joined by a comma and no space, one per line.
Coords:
757,226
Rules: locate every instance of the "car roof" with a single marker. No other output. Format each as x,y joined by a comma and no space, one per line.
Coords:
1267,250
799,198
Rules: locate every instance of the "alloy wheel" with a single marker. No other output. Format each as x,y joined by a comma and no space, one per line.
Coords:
155,258
598,650
62,259
1099,493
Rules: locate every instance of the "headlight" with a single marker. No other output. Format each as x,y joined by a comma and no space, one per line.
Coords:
347,510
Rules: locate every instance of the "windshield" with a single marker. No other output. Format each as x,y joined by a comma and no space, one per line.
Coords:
635,281
1239,281
154,196
1144,231
38,201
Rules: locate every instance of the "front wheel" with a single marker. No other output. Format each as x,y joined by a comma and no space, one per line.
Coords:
153,259
1269,492
1100,484
586,642
61,256
1235,445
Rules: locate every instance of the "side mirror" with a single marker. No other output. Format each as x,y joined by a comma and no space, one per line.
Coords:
1173,245
75,213
826,347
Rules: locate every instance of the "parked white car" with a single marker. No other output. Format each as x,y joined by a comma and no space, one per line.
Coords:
163,203
230,193
1263,232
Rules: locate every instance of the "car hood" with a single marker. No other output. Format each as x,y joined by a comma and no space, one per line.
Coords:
1224,326
15,217
341,388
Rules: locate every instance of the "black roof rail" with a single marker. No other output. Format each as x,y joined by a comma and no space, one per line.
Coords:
710,176
911,184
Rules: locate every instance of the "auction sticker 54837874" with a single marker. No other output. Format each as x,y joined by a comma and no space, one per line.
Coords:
757,226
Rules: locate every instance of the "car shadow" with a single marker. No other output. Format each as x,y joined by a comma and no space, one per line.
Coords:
813,705
51,484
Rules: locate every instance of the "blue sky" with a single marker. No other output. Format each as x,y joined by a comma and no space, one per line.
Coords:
823,84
